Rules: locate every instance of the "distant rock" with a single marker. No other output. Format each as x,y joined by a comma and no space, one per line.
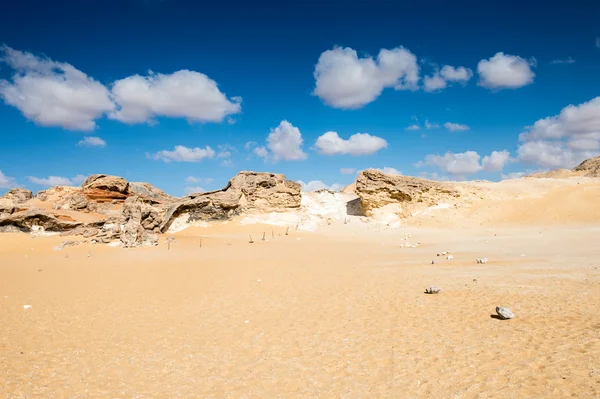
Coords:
504,313
18,195
107,183
433,290
245,192
377,189
589,167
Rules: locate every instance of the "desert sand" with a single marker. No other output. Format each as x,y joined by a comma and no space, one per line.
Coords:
339,312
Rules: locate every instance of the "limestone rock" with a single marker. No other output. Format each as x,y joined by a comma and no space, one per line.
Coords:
433,290
149,192
107,183
246,192
7,207
77,201
377,189
18,195
589,167
34,217
504,313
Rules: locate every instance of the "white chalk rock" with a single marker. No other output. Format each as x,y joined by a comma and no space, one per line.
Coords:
433,290
450,257
504,313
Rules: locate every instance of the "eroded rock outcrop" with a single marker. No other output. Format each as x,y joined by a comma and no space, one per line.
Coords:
377,189
33,218
247,192
589,168
18,195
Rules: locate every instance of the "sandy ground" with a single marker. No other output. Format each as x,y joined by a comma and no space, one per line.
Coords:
338,313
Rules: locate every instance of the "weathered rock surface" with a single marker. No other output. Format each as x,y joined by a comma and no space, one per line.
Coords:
149,192
433,290
504,313
107,183
138,215
30,218
246,192
377,189
589,167
18,195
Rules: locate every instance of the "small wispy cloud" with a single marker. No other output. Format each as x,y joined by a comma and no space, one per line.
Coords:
567,61
91,141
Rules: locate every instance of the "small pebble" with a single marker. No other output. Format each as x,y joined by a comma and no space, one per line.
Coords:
27,306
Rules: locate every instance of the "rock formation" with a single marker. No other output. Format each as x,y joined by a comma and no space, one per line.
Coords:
377,189
247,192
18,195
34,218
589,168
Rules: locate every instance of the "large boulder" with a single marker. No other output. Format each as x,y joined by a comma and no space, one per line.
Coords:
139,217
105,188
38,218
377,189
18,195
246,192
149,192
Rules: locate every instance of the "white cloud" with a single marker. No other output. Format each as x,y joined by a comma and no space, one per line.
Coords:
439,80
429,125
513,175
496,161
413,127
434,82
283,143
182,94
455,127
458,74
358,144
567,61
347,171
504,71
225,151
6,181
343,80
91,141
563,140
52,181
466,163
194,189
249,145
315,185
53,93
391,171
196,180
434,176
184,154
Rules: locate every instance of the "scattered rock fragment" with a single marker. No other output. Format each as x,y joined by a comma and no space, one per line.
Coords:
481,260
504,313
433,290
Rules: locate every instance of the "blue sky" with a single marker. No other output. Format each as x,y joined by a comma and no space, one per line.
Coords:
185,94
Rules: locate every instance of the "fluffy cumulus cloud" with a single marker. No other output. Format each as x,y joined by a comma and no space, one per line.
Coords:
504,71
441,78
52,93
455,127
52,181
6,181
284,143
466,163
413,127
389,170
315,185
185,154
358,144
182,94
513,175
345,80
563,140
91,141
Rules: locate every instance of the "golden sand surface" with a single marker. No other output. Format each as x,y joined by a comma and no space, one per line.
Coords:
337,313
